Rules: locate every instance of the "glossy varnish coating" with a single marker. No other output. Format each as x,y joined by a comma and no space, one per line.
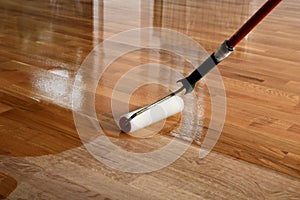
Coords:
43,43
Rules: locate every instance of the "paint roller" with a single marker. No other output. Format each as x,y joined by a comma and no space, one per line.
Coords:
171,104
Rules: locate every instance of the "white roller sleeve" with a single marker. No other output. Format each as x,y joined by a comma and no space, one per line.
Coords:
159,112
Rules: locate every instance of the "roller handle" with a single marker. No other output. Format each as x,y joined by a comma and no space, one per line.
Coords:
252,22
227,47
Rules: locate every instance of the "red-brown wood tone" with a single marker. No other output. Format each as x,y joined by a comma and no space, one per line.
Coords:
252,22
42,46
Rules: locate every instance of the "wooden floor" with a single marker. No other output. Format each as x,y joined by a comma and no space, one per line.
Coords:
43,44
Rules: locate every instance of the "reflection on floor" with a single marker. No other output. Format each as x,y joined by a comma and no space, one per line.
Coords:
42,45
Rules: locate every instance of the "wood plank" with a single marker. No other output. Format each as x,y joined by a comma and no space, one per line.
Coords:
7,185
43,44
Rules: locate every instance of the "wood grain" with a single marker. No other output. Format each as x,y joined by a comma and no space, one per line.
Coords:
7,185
216,177
43,44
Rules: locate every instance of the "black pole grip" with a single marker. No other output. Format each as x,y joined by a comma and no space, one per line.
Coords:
190,81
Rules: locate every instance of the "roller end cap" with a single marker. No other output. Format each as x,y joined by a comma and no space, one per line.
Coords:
125,126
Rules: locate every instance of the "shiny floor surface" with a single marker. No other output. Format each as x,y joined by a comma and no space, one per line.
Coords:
55,89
